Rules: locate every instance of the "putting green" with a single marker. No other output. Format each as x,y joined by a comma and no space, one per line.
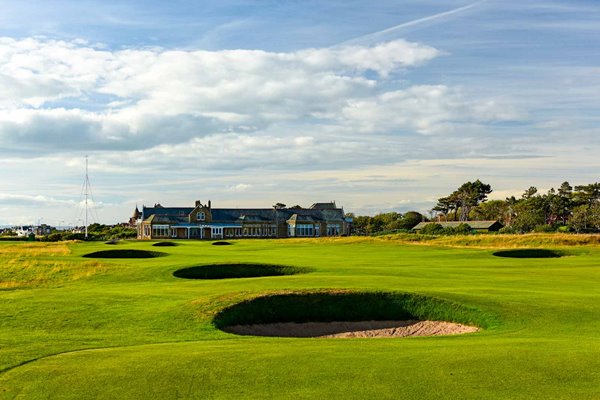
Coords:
105,328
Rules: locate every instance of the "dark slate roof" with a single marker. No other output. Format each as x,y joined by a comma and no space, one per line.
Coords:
166,219
454,224
304,218
170,211
323,206
232,215
249,214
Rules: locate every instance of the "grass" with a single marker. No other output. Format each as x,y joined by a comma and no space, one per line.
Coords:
80,328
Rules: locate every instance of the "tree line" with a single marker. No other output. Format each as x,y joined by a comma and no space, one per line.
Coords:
566,209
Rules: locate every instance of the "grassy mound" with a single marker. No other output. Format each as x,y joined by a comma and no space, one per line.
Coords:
528,253
125,253
221,243
347,306
165,244
225,271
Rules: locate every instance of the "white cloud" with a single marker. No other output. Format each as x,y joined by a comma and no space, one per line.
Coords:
426,109
59,95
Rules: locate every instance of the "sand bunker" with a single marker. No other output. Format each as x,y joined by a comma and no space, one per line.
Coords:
360,329
341,313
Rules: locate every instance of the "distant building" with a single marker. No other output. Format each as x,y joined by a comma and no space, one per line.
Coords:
479,226
204,222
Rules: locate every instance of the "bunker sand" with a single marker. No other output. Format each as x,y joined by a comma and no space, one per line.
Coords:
349,329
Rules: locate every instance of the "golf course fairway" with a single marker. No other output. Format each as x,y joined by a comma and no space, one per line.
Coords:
75,327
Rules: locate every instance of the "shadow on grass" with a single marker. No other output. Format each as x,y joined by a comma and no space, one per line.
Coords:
528,253
165,244
125,253
332,306
225,271
221,243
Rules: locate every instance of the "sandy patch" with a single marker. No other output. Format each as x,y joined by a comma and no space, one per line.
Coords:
346,329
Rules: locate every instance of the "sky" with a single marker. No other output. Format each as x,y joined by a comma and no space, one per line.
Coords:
378,105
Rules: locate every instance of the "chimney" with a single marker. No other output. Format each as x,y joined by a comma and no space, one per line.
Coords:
198,204
209,204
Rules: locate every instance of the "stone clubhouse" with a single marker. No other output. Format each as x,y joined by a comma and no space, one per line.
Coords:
204,222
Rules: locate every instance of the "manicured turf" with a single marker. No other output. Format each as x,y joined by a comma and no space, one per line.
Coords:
82,328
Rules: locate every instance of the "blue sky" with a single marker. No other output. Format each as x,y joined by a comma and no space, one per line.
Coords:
378,105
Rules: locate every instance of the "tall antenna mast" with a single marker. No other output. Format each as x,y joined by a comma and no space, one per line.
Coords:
87,185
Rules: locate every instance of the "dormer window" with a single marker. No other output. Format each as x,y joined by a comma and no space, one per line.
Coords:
200,216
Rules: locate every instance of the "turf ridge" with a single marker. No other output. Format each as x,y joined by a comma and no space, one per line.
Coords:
165,244
125,253
226,271
328,306
528,253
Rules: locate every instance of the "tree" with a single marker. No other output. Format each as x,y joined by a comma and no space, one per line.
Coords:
565,201
410,220
444,206
467,196
587,194
491,211
586,218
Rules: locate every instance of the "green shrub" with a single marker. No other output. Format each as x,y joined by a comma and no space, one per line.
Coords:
432,229
544,228
510,230
463,229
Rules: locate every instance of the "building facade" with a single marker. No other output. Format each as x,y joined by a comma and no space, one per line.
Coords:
204,222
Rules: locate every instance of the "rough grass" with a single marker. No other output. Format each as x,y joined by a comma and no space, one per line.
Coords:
327,306
28,249
479,241
226,271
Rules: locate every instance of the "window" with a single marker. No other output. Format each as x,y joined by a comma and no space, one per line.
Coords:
200,216
304,230
160,230
333,229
